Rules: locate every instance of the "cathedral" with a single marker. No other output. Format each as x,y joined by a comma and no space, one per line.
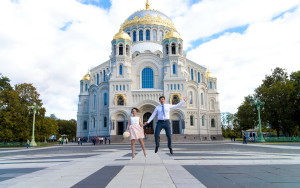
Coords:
147,61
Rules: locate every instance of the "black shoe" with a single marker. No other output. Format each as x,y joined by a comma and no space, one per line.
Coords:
156,149
171,151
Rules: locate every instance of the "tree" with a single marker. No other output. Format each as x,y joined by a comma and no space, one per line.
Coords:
277,93
295,79
246,114
4,83
67,127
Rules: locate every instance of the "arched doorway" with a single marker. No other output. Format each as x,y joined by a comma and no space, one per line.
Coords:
149,127
121,124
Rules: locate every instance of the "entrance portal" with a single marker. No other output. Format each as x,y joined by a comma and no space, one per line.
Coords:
148,129
120,128
175,127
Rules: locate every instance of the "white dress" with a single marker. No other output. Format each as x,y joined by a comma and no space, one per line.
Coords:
136,131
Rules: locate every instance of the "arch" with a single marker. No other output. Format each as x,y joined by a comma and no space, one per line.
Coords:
120,69
141,33
86,87
147,34
121,49
191,120
127,49
134,36
167,49
120,100
212,104
160,35
191,96
98,79
173,48
84,126
105,98
212,122
192,74
105,121
198,77
147,78
174,68
154,33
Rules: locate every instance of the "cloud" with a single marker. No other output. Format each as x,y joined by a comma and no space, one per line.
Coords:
52,43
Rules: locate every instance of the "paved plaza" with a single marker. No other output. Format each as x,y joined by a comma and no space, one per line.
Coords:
206,164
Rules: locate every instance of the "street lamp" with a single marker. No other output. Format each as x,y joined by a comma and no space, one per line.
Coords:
257,103
35,107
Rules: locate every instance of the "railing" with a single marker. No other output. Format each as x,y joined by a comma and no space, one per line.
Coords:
282,139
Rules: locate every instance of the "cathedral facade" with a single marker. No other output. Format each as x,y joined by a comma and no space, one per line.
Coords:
147,61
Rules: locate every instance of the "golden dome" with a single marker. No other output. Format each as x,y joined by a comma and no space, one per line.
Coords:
122,35
86,77
209,74
148,16
172,34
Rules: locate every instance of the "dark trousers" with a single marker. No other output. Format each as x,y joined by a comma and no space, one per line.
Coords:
163,124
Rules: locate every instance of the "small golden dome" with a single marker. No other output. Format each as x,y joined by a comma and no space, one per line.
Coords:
209,74
172,34
122,35
86,77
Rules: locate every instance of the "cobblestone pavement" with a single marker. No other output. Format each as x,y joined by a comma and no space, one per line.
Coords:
206,164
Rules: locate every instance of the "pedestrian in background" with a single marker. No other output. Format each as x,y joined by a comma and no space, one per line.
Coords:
27,144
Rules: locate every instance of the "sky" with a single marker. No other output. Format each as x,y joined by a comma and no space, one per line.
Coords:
53,43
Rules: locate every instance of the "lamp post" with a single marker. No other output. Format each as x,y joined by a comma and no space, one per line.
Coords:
257,103
35,107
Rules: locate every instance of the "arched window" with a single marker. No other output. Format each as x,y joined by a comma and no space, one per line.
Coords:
212,104
171,86
98,79
134,36
81,86
192,74
167,49
147,34
198,77
212,122
173,47
104,76
84,125
141,33
105,99
161,35
191,97
127,50
192,120
178,86
154,35
175,99
147,78
86,87
115,50
121,49
94,103
179,49
121,69
123,87
120,101
174,68
105,122
210,85
203,120
202,99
